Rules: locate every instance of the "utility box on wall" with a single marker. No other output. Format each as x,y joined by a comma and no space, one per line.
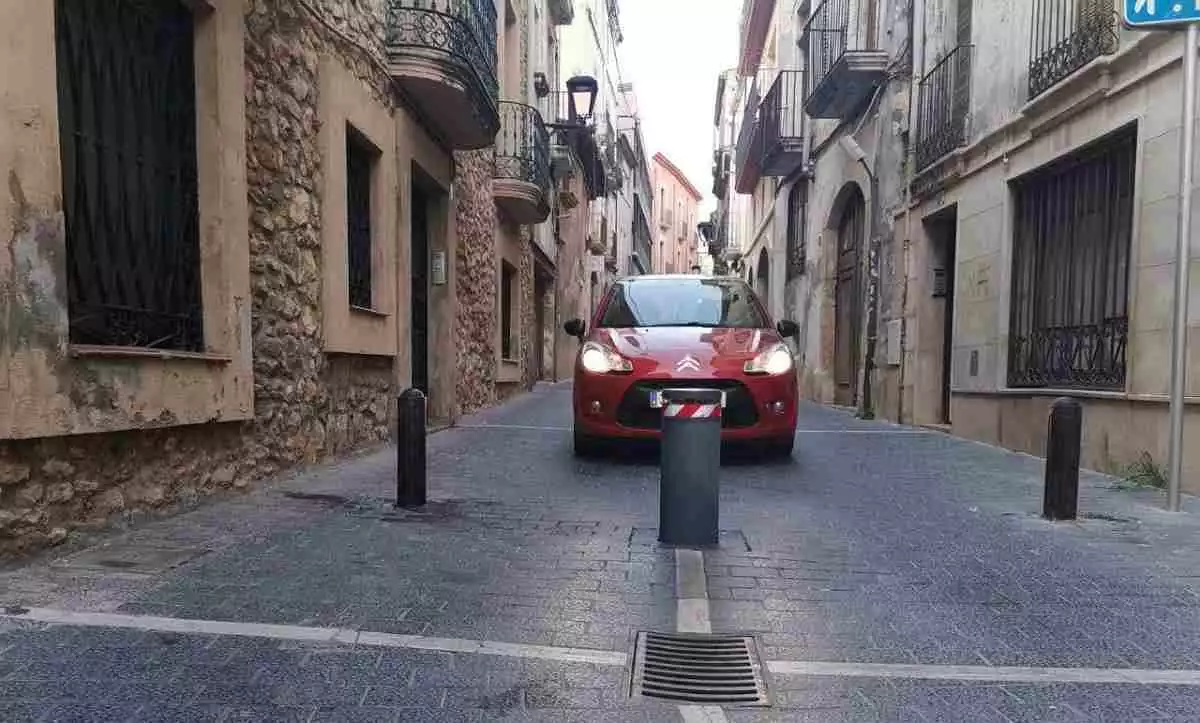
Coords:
894,346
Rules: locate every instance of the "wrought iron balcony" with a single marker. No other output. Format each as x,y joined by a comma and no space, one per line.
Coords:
581,143
722,164
1067,35
718,232
773,144
641,238
945,101
562,12
845,62
442,53
782,118
747,153
522,176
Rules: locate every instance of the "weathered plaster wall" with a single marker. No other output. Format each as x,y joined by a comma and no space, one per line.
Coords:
550,331
49,387
306,405
572,287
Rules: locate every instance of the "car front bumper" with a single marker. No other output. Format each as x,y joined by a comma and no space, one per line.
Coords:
756,407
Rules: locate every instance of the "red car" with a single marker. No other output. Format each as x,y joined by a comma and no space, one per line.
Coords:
653,332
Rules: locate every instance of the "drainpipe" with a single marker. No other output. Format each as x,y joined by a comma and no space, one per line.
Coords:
855,151
866,408
916,35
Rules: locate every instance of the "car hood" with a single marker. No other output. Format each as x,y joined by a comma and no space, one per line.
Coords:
669,343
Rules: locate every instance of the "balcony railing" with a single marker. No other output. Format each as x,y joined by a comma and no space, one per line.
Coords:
641,247
747,153
562,12
772,144
1066,35
945,100
583,144
523,145
641,235
460,37
722,163
782,118
845,63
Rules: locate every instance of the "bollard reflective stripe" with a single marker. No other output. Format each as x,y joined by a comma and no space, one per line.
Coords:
692,410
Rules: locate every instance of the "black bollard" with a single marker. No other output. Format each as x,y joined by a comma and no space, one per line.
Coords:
1061,500
410,449
689,486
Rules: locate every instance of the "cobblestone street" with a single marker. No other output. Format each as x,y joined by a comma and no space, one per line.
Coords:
888,574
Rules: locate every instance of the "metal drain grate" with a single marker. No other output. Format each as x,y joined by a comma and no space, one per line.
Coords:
698,668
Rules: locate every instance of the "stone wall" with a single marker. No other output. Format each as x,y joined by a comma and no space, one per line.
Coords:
475,265
307,406
528,323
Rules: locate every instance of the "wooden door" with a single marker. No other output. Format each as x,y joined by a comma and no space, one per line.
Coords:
848,301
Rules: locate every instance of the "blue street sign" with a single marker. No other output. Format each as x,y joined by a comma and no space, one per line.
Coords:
1145,13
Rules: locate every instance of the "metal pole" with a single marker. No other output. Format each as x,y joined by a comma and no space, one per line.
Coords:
1182,267
410,449
1060,499
689,489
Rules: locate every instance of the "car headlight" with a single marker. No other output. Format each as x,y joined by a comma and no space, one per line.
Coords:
774,361
599,359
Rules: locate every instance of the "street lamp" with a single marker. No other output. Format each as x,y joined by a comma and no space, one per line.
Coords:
581,93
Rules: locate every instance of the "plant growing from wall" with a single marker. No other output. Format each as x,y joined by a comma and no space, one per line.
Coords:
1145,472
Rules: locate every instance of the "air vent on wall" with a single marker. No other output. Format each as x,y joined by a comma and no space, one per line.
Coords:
939,283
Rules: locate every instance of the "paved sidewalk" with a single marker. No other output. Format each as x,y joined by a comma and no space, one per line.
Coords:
889,574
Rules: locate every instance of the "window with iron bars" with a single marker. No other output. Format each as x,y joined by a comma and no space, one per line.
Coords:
1070,289
797,251
1065,36
508,280
361,157
127,130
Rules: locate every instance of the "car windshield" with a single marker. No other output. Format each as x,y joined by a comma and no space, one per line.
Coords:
683,302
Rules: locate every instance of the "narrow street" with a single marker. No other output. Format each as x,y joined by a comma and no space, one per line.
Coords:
887,573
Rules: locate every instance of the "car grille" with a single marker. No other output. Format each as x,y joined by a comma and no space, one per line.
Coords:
635,411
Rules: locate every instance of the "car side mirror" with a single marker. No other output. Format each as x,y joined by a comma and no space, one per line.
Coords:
787,328
575,327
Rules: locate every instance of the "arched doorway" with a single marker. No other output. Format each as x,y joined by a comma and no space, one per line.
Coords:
848,299
762,278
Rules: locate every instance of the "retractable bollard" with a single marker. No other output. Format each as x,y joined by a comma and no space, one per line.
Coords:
689,487
410,449
1064,430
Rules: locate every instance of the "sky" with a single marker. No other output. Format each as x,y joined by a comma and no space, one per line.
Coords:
673,52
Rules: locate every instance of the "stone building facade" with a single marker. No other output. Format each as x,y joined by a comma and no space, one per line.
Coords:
982,215
676,214
1043,217
329,235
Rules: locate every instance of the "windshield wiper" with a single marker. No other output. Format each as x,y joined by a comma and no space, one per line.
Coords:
700,324
680,324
